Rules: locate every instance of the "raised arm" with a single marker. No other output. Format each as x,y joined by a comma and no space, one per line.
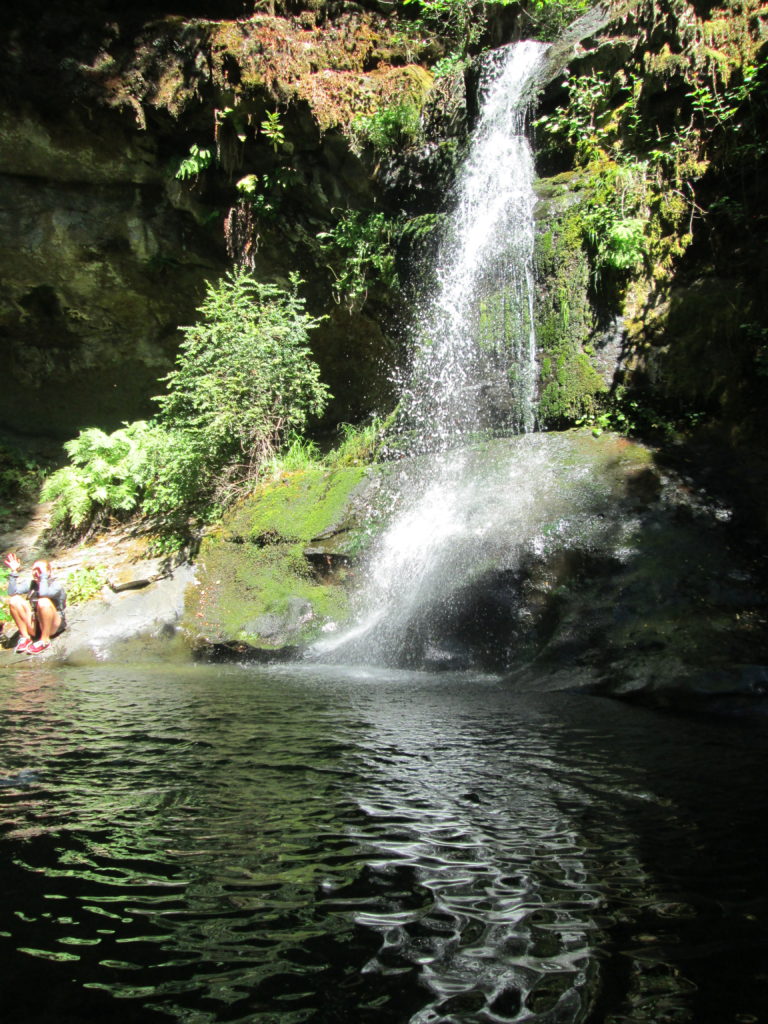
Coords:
14,586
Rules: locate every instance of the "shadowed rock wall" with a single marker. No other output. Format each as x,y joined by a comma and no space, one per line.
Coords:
105,251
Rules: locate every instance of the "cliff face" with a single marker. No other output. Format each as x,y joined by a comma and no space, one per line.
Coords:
141,152
652,243
108,236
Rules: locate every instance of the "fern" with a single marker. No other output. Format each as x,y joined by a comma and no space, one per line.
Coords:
106,475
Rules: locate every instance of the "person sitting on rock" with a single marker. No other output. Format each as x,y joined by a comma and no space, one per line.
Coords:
37,605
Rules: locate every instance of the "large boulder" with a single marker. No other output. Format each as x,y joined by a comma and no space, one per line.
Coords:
278,570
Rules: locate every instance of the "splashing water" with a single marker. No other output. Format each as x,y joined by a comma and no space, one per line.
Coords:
474,371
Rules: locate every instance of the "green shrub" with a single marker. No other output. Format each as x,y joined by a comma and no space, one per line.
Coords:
245,379
389,129
272,127
616,217
361,249
581,121
85,583
244,384
106,475
195,163
619,242
451,64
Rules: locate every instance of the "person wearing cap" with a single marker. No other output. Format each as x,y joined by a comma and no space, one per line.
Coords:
36,605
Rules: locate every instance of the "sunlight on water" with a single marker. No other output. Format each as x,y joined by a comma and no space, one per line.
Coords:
314,845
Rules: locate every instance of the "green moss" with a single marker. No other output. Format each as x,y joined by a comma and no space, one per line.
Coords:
258,587
572,389
565,321
247,594
298,507
255,580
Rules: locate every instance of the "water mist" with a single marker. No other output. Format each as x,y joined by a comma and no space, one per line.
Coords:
473,374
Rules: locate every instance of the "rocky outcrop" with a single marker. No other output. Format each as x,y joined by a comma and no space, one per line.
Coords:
624,577
648,116
279,569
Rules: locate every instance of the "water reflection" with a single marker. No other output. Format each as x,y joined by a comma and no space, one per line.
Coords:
319,845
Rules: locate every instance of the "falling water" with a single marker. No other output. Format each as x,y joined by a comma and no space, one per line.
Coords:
473,374
474,366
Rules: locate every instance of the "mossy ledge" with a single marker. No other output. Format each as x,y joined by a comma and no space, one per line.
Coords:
276,571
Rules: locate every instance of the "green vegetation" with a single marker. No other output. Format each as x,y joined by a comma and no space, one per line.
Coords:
615,216
245,380
361,250
360,445
85,583
570,385
644,169
256,582
298,454
244,386
273,128
389,128
616,196
265,192
452,64
463,22
550,17
578,122
106,476
625,414
299,507
667,135
195,163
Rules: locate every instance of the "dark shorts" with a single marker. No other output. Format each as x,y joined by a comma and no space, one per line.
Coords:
59,631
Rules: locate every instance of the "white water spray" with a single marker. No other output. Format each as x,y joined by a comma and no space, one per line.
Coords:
474,365
474,371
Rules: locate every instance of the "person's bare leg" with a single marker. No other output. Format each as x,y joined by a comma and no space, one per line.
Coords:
48,619
21,613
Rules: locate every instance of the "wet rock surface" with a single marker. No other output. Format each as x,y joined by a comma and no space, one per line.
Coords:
650,587
281,566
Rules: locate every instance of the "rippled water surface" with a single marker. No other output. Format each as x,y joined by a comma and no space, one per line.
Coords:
207,844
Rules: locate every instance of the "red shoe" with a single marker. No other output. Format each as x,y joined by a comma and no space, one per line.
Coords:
23,645
38,647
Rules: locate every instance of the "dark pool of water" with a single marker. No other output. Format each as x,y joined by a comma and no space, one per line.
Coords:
295,845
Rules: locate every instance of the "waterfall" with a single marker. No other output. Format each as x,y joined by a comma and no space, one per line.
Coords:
474,365
473,373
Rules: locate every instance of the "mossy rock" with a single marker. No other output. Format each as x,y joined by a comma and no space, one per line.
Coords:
276,570
300,506
565,320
